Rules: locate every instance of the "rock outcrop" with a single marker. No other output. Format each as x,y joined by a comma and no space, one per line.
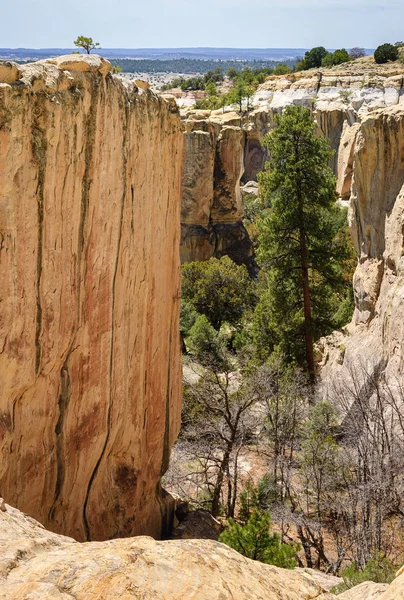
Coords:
212,208
365,591
37,564
375,338
90,176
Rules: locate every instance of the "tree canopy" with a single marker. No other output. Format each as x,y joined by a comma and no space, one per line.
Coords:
86,43
218,289
386,52
300,248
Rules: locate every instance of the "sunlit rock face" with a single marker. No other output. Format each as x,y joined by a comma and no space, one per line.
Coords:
376,216
224,149
90,177
211,205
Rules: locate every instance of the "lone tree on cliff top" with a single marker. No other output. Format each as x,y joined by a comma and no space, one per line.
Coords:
87,43
299,243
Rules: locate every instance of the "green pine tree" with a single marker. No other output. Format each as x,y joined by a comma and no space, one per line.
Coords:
300,244
255,541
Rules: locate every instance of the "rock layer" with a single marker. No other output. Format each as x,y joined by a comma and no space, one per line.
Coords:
89,299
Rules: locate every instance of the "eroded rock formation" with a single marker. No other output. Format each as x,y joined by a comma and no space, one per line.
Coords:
90,173
212,208
35,563
340,98
376,213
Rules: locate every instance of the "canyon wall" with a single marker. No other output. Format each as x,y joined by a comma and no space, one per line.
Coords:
340,98
90,397
375,338
359,107
211,206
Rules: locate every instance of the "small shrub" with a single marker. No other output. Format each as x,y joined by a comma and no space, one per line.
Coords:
378,569
254,541
386,52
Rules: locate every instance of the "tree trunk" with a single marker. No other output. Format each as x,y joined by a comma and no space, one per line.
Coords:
308,333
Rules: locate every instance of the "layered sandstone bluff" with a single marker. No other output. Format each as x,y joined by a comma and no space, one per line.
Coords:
90,172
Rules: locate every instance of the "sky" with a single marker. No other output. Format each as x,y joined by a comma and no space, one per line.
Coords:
193,23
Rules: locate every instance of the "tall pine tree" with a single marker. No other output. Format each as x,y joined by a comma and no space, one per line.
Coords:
301,247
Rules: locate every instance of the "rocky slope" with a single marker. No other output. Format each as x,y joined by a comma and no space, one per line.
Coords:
35,563
89,265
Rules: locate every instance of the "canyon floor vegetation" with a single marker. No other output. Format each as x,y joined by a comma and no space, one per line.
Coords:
260,444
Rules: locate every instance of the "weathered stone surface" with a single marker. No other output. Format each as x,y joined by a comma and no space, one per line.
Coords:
35,564
365,591
82,63
89,299
324,580
211,204
197,524
376,215
9,71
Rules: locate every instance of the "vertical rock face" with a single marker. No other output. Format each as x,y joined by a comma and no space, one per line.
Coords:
90,404
211,205
376,216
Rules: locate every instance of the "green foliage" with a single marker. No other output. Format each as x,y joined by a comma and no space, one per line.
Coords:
257,497
386,52
254,540
211,88
314,57
188,316
219,289
378,569
86,43
282,70
299,236
335,58
204,342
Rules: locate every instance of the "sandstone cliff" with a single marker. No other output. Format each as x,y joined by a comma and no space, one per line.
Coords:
375,338
211,206
89,297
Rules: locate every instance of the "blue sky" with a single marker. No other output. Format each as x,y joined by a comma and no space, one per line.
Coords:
191,23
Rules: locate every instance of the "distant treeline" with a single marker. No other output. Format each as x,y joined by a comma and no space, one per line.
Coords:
187,65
